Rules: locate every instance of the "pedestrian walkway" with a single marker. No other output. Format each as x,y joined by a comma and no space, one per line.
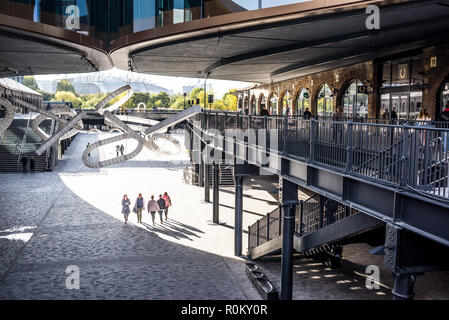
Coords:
50,221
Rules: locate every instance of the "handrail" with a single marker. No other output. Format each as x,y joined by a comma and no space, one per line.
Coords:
352,147
23,141
312,214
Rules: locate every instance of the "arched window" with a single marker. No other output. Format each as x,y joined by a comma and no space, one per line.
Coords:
355,100
324,102
444,96
302,102
246,105
274,104
263,102
287,103
252,105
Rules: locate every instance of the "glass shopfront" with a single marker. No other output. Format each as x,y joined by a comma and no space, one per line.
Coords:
325,101
401,90
444,96
274,104
355,100
302,102
287,103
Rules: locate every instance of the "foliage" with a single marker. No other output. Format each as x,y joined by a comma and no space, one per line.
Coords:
67,96
30,82
46,96
65,85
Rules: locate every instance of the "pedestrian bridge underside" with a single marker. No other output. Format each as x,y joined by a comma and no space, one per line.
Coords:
396,174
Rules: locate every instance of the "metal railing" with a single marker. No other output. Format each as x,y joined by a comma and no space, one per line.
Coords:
416,157
311,215
265,229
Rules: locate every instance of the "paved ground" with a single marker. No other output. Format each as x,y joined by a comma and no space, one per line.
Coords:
72,217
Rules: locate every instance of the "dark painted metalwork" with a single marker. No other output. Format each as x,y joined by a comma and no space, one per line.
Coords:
238,225
289,202
216,195
206,183
372,162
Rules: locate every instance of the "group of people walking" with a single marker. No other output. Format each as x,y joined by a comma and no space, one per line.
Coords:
25,162
161,206
119,150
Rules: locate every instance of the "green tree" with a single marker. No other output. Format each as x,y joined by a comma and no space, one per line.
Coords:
164,99
30,82
65,85
46,96
68,97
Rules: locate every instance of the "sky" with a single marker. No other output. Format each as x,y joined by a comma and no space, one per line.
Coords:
175,84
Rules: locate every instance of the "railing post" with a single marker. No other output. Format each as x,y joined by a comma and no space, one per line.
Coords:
280,221
301,216
284,149
381,164
321,211
268,227
404,157
287,250
349,146
249,237
257,234
312,138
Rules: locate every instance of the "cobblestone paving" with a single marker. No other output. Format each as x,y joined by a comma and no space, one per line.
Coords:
72,217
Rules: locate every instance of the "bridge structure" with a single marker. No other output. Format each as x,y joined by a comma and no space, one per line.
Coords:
374,181
386,185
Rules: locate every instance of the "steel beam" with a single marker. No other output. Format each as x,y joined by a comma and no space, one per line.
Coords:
216,195
206,183
289,202
238,226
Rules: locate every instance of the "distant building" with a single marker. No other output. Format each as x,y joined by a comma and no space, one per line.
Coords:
10,88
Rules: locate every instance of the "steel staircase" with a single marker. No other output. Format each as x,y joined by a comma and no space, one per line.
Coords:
322,227
19,139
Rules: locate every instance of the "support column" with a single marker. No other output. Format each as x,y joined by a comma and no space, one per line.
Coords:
289,201
216,200
403,286
201,173
206,183
238,226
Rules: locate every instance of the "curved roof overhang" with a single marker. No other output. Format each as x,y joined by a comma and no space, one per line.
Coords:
280,43
35,48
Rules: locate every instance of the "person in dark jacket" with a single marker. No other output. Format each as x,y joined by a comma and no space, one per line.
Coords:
394,116
161,204
32,164
264,112
24,161
139,206
307,114
125,207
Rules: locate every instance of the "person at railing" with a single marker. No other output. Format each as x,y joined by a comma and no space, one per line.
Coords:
394,116
264,112
423,120
32,164
307,114
246,111
443,118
